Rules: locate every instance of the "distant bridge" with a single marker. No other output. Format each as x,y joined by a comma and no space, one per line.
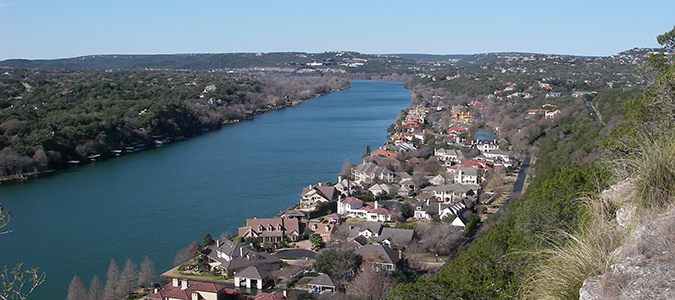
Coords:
307,67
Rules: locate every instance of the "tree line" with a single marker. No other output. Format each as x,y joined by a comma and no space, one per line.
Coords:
118,284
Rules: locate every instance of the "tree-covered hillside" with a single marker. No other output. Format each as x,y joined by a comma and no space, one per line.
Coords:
48,118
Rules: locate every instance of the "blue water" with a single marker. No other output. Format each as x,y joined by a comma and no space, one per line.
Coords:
484,135
155,202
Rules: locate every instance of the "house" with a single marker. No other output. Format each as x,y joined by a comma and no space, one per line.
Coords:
227,257
484,146
183,289
294,214
427,209
437,180
271,230
497,155
382,152
324,228
364,229
551,114
378,189
451,193
312,195
380,255
449,156
464,175
347,187
334,218
321,284
404,191
270,296
251,277
369,172
395,236
553,95
355,208
363,232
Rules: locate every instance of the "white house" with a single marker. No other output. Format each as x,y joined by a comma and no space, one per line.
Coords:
464,175
352,207
484,146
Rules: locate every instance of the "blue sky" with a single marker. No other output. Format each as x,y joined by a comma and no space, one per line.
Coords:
40,29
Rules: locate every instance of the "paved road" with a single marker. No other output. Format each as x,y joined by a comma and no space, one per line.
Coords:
520,179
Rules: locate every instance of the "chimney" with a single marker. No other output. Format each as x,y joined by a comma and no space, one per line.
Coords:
400,255
218,243
184,285
241,251
427,202
376,204
285,294
175,282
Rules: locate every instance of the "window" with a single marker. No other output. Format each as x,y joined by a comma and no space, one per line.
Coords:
278,227
313,226
270,228
327,228
261,228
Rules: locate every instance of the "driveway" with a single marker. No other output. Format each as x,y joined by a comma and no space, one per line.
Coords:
295,253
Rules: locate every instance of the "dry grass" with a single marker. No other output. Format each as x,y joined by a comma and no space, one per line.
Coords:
647,188
652,171
561,270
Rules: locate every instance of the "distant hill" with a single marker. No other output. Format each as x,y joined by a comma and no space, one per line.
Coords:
350,62
277,62
464,60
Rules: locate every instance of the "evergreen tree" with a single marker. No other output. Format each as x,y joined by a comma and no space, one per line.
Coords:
76,290
110,291
208,240
95,289
147,273
128,278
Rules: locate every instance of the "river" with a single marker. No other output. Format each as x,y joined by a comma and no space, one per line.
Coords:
155,202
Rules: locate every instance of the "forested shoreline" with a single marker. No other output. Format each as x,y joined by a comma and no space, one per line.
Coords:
50,118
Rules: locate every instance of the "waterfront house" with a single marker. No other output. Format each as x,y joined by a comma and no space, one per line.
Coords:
312,195
347,187
383,152
294,214
369,173
226,257
251,277
183,289
272,230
